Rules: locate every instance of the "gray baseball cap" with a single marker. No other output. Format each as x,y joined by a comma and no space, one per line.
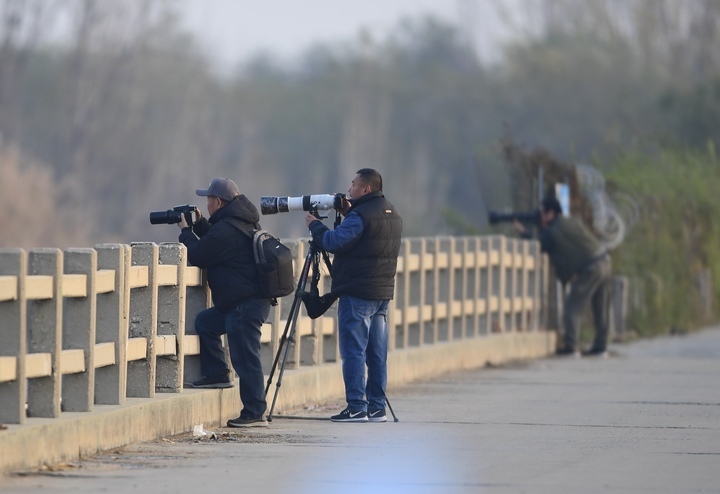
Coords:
221,187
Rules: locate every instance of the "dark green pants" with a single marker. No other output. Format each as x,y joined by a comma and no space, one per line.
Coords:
591,285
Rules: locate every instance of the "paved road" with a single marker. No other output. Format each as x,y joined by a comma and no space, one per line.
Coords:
646,420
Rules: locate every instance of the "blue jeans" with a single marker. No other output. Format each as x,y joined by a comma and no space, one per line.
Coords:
363,341
242,324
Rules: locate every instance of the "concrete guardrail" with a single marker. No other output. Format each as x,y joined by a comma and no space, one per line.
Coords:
97,342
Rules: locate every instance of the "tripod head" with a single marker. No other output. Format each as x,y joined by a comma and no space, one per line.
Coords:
315,212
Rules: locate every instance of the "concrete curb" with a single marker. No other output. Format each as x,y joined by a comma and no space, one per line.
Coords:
47,441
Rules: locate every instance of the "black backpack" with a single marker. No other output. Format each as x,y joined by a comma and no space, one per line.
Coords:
274,263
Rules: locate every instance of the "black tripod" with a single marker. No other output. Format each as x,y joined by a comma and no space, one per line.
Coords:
312,259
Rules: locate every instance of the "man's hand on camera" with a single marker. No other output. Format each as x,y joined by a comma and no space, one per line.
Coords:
345,206
309,218
519,227
183,223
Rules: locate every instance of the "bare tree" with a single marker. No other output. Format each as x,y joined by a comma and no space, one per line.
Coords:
677,39
22,26
32,216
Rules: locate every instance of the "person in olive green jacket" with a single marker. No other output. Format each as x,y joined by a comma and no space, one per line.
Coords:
581,260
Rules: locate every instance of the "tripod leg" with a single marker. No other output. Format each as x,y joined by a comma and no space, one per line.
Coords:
289,332
283,342
290,339
395,419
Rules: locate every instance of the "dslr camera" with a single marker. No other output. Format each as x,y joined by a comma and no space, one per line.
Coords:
527,217
174,215
274,205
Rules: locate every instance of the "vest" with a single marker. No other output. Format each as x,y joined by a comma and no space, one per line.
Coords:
368,269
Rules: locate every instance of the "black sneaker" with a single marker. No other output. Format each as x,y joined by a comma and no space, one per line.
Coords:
377,416
222,381
348,416
244,422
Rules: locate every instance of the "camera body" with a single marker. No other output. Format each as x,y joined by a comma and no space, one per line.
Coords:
528,217
274,205
174,215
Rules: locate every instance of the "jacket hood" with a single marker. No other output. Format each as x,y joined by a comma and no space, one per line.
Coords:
239,209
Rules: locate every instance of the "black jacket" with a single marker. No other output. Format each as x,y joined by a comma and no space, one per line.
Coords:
225,252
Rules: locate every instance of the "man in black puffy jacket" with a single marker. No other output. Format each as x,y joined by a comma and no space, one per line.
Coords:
219,246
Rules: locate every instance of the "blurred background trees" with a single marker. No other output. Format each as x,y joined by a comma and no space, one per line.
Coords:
109,110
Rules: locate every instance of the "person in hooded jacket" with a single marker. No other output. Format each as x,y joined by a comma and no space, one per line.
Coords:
220,246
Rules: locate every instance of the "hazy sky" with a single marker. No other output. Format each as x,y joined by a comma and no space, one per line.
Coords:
231,30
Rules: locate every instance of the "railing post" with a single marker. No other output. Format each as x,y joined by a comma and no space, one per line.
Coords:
13,334
547,274
312,345
394,319
477,301
294,349
486,286
143,321
450,287
171,319
619,306
523,285
461,285
45,333
404,293
512,284
436,289
78,332
197,299
422,326
329,350
498,279
111,331
534,277
323,350
516,287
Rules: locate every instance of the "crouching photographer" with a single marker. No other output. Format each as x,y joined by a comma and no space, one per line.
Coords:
365,246
223,247
578,259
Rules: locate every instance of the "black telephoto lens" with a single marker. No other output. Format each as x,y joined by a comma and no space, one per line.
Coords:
168,217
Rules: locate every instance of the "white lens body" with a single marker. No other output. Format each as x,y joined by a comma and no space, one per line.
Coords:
321,201
273,205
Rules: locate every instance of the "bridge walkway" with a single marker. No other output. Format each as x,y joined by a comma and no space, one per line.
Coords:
647,419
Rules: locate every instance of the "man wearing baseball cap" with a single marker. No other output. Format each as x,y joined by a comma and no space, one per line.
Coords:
219,246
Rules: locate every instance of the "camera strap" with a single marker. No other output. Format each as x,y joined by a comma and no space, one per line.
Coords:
315,304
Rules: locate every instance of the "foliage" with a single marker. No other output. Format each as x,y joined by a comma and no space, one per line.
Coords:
694,114
677,236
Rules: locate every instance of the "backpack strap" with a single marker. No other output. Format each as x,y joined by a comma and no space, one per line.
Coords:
250,232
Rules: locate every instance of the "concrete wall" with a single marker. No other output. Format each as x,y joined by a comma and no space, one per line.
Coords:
98,342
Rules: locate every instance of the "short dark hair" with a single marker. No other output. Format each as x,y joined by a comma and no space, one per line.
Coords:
551,204
371,177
